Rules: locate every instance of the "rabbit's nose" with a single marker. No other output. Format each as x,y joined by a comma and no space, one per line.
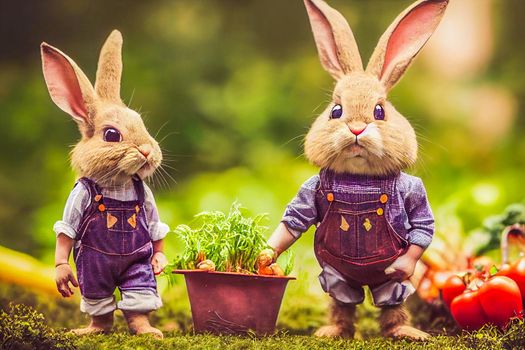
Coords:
357,129
145,150
357,132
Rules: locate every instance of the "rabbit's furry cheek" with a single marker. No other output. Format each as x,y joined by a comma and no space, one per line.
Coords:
131,162
385,147
325,141
103,162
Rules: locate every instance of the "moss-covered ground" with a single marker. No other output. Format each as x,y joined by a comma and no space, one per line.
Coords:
38,322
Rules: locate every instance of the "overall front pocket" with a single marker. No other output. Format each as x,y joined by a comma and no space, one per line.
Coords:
359,234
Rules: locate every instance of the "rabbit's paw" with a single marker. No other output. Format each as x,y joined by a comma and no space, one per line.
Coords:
333,331
408,332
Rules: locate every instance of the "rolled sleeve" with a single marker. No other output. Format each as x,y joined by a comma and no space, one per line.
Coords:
66,228
420,215
77,202
301,212
157,229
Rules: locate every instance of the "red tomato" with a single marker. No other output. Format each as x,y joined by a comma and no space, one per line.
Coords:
500,298
452,287
467,311
496,301
516,271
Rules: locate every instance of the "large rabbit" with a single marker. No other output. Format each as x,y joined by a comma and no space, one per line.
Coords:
373,221
110,218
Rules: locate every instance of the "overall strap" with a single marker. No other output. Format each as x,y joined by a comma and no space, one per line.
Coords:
95,195
325,180
93,189
139,189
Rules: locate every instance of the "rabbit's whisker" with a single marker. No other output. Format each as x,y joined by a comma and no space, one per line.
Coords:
160,129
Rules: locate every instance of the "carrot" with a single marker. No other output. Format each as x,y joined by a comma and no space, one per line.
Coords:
207,265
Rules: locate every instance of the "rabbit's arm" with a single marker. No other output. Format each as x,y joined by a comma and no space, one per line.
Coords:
63,272
64,244
421,230
157,229
419,214
281,239
76,204
299,215
158,260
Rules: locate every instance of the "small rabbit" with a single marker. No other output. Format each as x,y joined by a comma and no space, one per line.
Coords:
110,218
373,221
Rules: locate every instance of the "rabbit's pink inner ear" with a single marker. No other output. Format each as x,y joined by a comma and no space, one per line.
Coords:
409,37
63,84
324,39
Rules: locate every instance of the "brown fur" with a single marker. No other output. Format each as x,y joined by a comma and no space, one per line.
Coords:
335,41
109,69
108,163
394,322
99,324
386,146
391,318
138,323
342,318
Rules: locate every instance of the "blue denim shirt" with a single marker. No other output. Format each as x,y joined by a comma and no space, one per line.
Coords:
408,212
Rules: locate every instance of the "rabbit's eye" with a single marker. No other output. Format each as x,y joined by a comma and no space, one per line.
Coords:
112,135
337,112
379,112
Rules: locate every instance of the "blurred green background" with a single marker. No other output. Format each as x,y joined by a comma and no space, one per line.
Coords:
230,88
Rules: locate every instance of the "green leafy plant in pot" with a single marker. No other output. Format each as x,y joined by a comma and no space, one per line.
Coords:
229,293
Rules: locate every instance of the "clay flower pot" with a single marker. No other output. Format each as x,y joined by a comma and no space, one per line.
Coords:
233,303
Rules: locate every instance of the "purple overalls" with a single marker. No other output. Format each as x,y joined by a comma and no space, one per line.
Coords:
115,246
364,224
354,236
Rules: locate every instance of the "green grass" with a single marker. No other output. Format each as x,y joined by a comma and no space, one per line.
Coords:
486,339
489,339
303,310
22,327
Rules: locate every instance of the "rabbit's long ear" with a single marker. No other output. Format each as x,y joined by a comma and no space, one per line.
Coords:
405,37
68,86
334,39
109,71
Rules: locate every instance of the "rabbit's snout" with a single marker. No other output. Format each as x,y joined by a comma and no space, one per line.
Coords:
357,128
357,132
145,150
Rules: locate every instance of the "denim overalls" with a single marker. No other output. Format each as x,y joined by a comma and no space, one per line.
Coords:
354,242
115,246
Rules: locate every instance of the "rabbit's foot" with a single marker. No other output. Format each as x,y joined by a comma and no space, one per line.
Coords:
90,330
138,323
342,317
395,320
408,332
331,331
101,324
